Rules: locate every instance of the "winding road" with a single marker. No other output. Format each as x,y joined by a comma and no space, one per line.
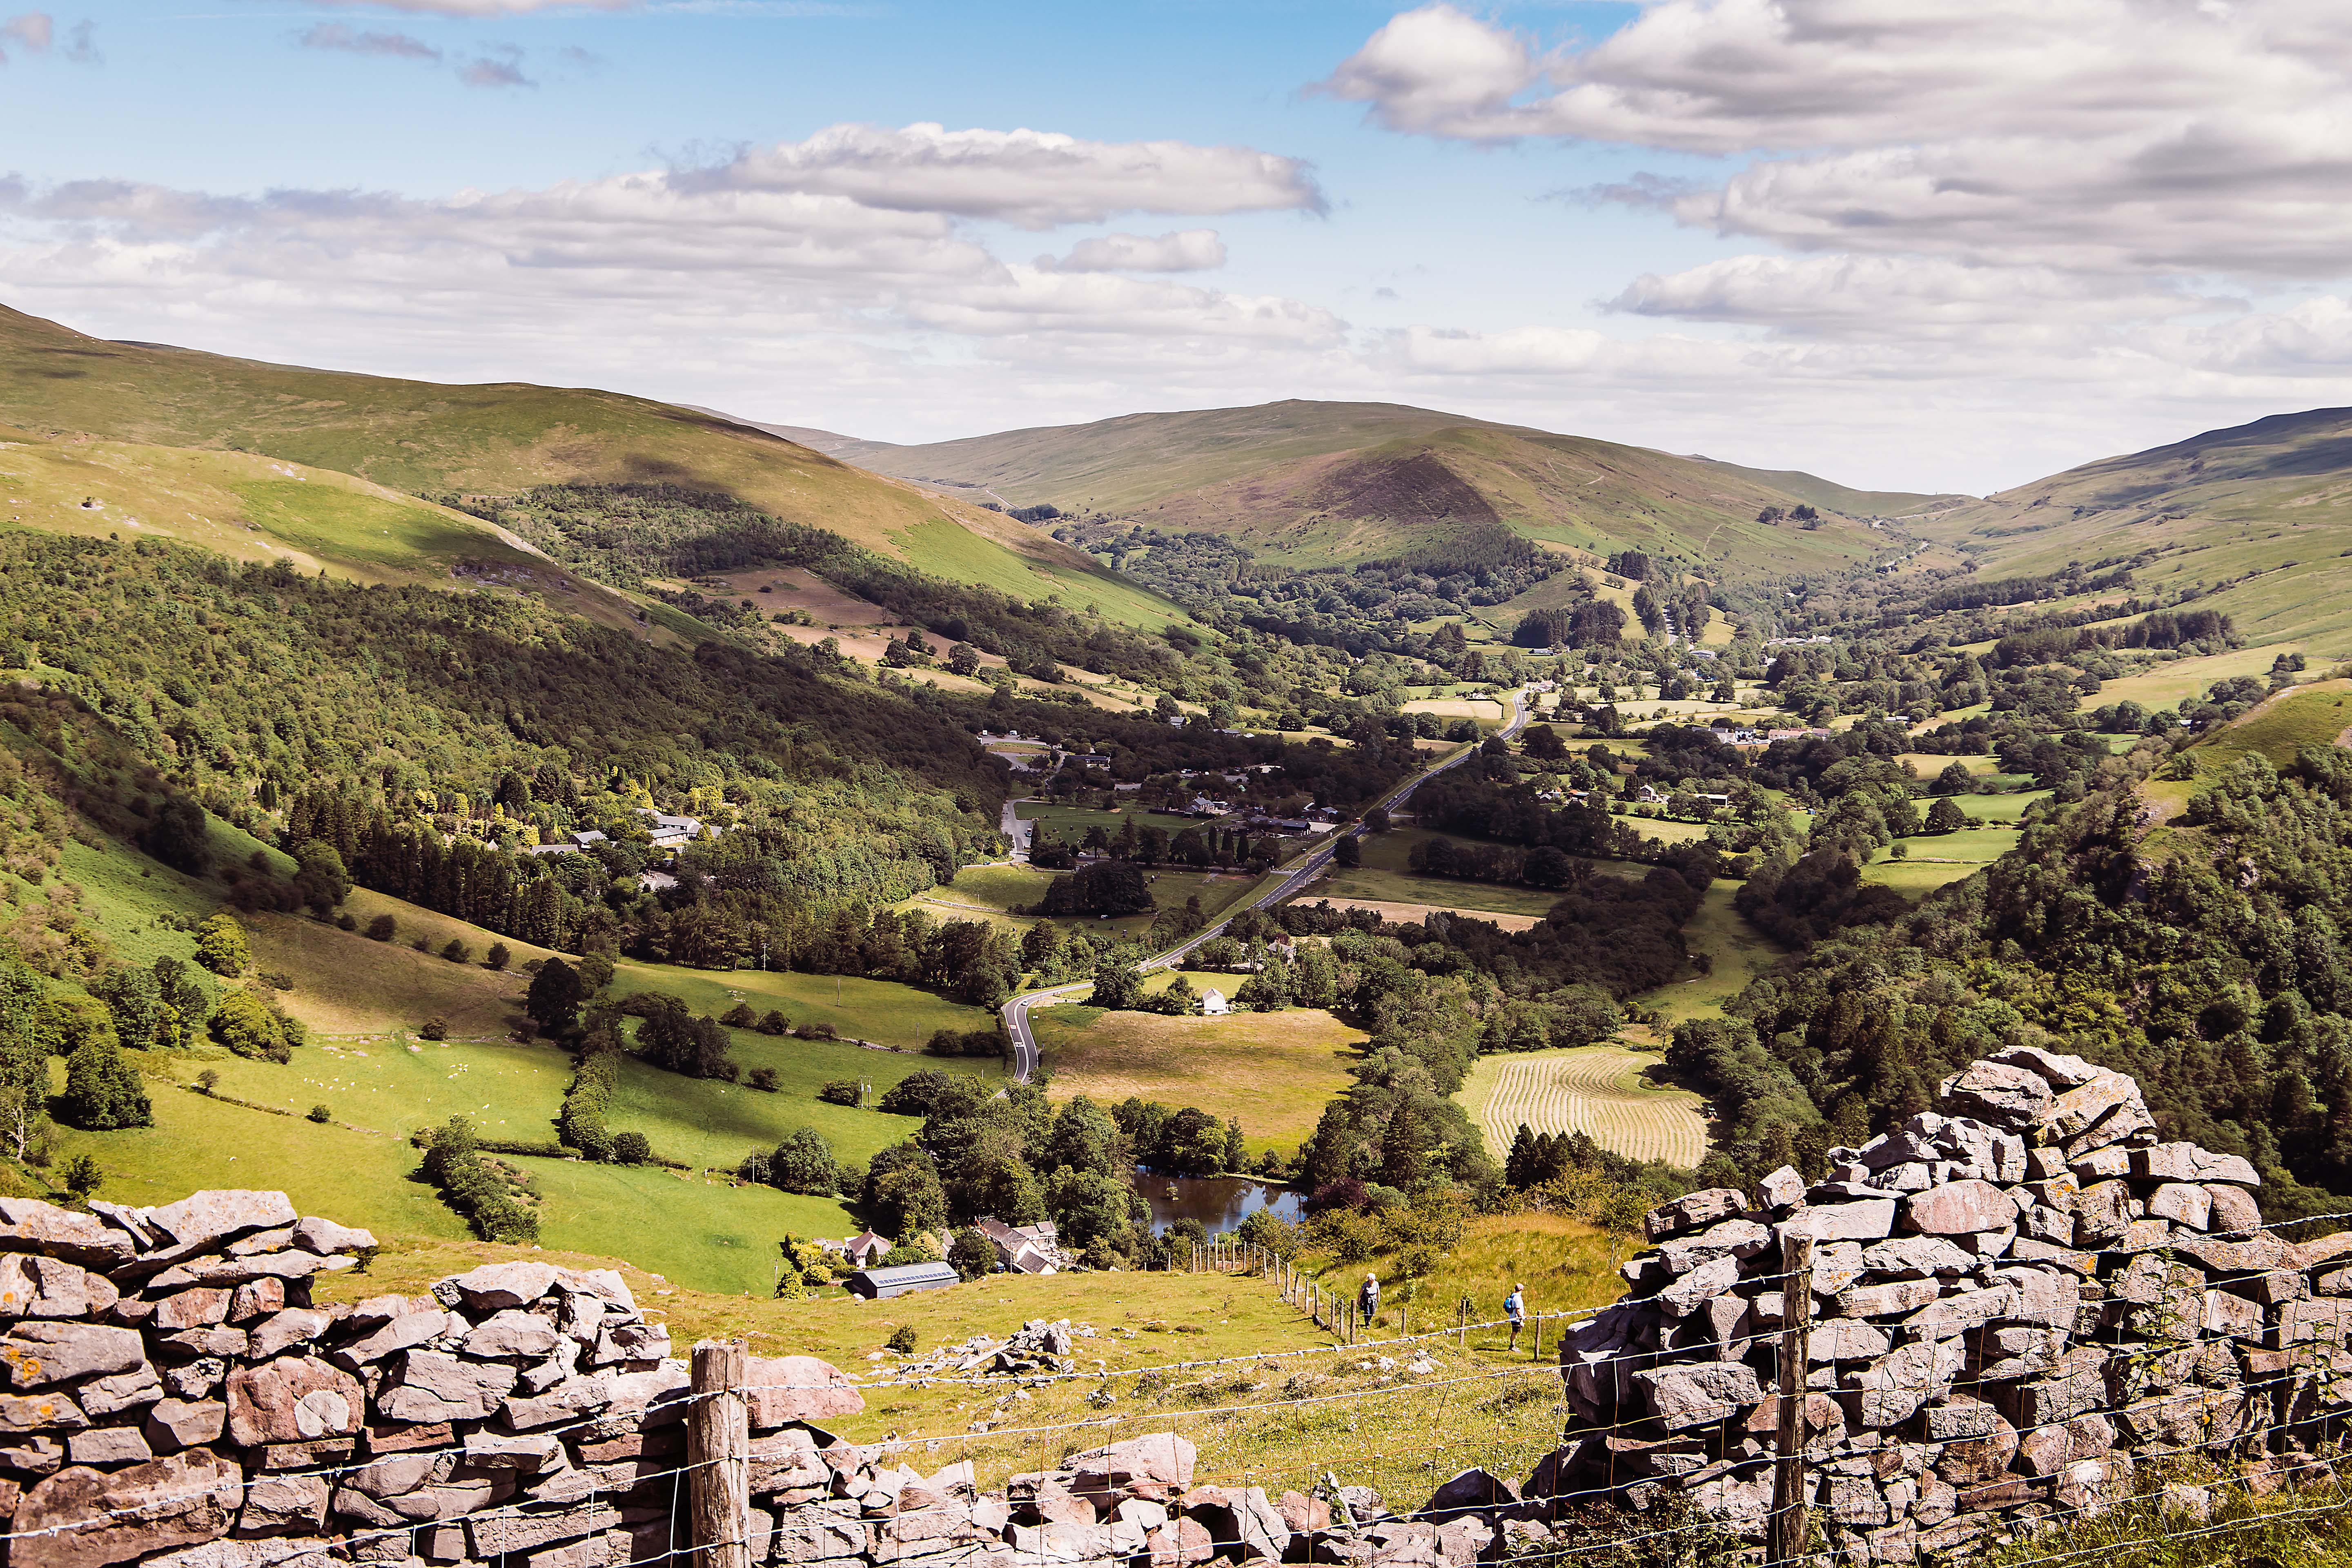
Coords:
1289,882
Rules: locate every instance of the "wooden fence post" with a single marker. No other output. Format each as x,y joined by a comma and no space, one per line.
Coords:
718,1450
1792,1521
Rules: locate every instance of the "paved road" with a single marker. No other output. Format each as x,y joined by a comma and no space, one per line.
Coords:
1018,832
1292,881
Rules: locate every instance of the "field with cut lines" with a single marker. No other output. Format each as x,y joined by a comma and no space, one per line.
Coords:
1595,1090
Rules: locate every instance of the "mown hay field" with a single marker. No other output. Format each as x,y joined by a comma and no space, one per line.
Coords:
1274,1072
1599,1090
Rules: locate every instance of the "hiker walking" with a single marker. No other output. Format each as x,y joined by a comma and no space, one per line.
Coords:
1515,1307
1369,1297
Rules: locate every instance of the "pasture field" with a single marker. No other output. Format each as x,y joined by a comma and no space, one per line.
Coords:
1488,711
348,984
2164,685
1667,829
2308,716
1938,859
1410,914
1369,887
1402,1435
1927,764
1600,1090
1070,821
359,1177
882,1011
1737,951
703,1233
1272,1071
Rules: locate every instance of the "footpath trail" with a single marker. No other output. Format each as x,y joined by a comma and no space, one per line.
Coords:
1287,882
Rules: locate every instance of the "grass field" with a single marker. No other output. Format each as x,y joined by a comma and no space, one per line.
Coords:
1436,892
418,437
2164,685
1927,764
2309,716
2002,810
1600,1090
1400,1434
1411,915
1067,821
1938,859
1274,1072
1736,952
1667,830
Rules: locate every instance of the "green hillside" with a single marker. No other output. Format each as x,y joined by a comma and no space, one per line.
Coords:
1335,483
2253,515
57,386
1835,497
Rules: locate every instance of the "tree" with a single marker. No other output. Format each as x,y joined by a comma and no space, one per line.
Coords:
803,1162
221,946
103,1091
1348,853
320,876
498,957
384,928
1543,743
321,1115
554,998
179,837
1946,817
1118,986
631,1148
1406,1147
136,1003
456,951
908,1198
252,1027
673,1038
81,1175
972,1254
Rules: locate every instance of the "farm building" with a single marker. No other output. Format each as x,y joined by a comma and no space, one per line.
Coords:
1025,1248
1213,1001
874,1284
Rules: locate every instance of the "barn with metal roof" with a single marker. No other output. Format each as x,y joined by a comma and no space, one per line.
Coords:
899,1278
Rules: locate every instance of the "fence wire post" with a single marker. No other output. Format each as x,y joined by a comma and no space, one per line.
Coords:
1791,1520
718,1450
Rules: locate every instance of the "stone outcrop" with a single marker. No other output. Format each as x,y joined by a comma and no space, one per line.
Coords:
2014,1297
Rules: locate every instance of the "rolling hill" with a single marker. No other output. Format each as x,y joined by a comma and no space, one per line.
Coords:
1334,483
2255,515
62,389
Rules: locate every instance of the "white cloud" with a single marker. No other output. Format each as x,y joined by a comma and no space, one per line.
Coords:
1848,296
1032,179
477,8
2118,136
36,30
342,39
1188,251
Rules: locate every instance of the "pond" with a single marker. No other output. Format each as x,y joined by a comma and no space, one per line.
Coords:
1219,1203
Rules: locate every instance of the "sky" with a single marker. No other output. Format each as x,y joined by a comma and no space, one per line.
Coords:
1925,245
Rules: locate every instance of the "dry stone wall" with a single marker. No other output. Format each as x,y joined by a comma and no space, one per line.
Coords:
2017,1300
176,1400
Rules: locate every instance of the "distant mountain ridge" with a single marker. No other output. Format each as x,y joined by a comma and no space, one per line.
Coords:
427,438
2259,516
1327,482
